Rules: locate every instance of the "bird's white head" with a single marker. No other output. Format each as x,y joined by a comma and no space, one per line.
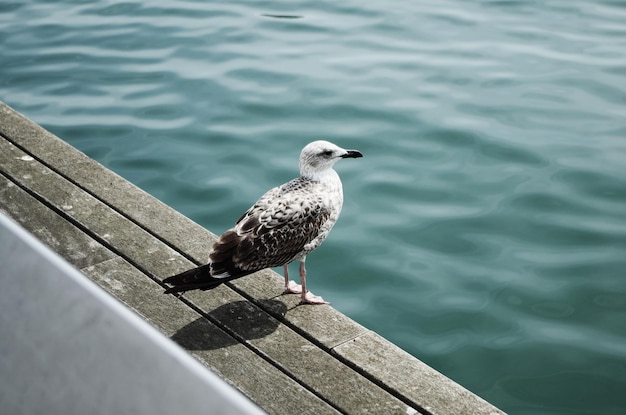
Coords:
320,156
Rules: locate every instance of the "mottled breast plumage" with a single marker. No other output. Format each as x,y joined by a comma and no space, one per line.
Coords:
284,225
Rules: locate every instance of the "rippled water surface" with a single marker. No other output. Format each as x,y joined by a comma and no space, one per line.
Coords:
484,230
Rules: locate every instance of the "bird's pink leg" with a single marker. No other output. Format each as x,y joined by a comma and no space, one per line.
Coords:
290,286
307,296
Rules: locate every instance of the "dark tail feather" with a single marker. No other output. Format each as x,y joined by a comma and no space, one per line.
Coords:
194,279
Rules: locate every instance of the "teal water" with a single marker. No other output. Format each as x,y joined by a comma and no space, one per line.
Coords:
484,230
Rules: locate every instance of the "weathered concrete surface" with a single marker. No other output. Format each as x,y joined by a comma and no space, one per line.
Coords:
340,384
64,238
286,358
256,377
411,377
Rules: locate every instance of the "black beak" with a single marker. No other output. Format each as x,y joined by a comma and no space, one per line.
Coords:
352,154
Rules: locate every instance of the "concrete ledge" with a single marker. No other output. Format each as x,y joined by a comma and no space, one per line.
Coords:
285,358
71,349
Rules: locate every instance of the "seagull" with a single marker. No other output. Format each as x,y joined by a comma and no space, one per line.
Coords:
286,224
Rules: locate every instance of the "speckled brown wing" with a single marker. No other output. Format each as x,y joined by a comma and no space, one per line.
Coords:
271,233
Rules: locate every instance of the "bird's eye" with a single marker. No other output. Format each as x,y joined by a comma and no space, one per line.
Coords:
327,153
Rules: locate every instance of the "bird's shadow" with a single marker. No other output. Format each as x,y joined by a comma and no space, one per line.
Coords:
244,318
